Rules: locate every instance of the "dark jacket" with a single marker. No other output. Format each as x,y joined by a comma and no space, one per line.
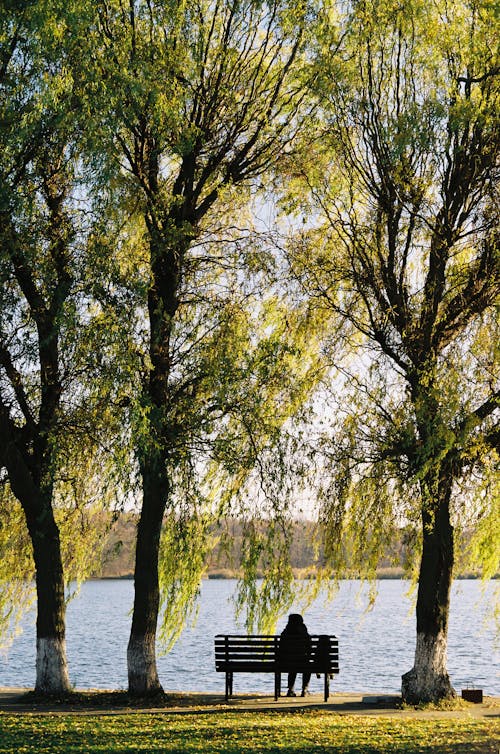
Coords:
295,643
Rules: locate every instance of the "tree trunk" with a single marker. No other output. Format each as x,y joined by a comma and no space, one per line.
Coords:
51,665
428,680
166,262
141,652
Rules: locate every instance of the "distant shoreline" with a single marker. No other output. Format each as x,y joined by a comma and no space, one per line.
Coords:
383,575
117,558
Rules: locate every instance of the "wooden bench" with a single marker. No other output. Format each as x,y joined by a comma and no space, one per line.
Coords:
260,654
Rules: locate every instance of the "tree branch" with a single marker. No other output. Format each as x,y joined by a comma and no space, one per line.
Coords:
479,414
16,381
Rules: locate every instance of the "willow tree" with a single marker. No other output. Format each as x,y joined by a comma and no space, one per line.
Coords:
44,333
409,259
36,281
193,100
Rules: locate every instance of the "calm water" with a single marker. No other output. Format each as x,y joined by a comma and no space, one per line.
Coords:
375,646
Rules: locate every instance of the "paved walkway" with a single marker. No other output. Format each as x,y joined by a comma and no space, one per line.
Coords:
12,702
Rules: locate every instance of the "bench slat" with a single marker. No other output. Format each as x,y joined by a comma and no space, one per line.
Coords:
247,644
246,636
310,662
256,666
264,654
235,645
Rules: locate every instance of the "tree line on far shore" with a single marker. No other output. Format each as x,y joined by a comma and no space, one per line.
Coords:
249,255
117,553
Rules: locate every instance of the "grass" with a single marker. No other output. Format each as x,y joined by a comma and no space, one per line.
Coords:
302,732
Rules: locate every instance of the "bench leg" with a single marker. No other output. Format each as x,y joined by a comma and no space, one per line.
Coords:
229,684
327,687
277,686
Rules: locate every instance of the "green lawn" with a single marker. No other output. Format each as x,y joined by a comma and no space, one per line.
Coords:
230,733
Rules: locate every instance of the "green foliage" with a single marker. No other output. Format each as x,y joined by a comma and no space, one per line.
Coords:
405,253
234,458
161,124
16,566
58,376
268,551
184,546
195,103
230,733
206,90
482,551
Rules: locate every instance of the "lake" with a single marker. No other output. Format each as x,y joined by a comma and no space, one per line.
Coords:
376,647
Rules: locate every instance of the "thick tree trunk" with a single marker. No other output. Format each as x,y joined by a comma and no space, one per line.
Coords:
428,680
166,263
51,665
168,246
141,652
29,450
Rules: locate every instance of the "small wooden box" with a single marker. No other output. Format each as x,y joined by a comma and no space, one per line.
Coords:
472,695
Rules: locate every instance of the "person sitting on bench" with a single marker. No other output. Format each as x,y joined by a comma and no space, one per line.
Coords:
295,648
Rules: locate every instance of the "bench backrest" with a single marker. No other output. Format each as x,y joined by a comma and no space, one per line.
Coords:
256,652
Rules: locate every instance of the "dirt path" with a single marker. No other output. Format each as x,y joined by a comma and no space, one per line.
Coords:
15,701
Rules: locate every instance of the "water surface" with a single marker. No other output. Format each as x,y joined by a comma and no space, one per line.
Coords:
376,647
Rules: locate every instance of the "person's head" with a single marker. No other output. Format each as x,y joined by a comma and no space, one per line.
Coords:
295,619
